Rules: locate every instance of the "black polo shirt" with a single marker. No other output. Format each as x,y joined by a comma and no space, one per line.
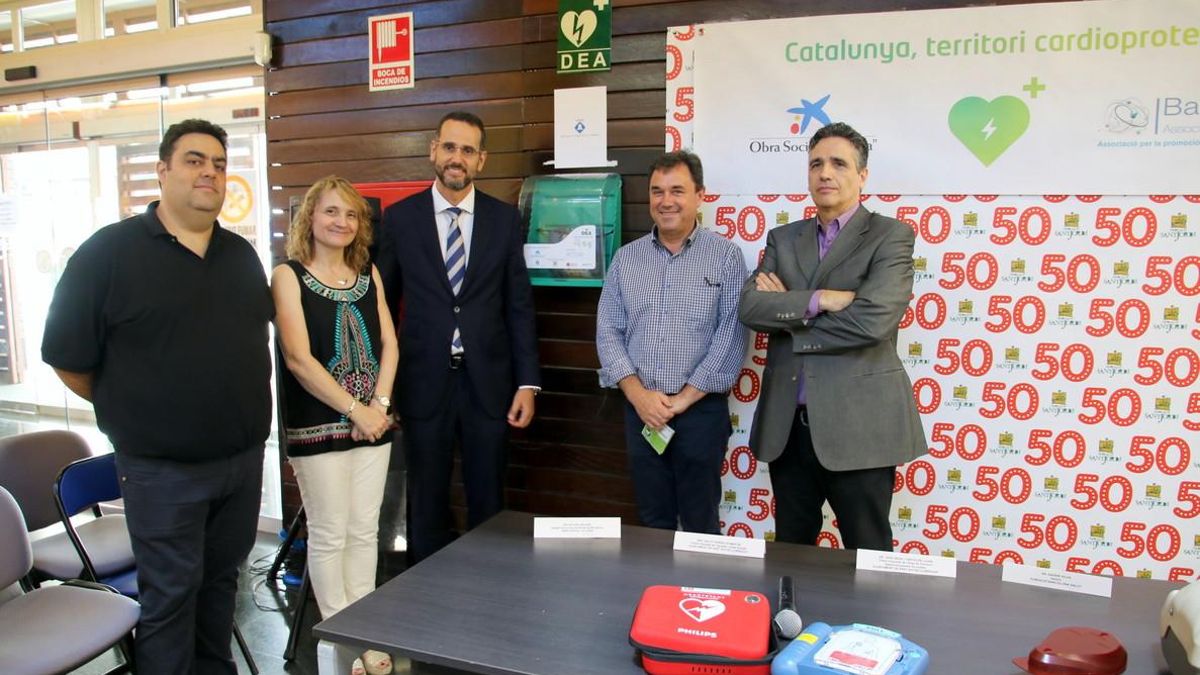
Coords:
178,344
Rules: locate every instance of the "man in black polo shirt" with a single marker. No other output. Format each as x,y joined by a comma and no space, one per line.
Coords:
161,321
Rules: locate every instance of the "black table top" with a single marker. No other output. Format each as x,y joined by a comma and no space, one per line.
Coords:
499,601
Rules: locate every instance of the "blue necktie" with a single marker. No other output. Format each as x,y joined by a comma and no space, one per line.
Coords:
456,266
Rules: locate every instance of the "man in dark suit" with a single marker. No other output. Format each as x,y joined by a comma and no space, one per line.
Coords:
836,413
453,257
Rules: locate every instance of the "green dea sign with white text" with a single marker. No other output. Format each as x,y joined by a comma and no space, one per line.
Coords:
584,35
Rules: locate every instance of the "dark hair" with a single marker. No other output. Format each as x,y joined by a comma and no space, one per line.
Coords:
467,118
671,160
193,126
843,130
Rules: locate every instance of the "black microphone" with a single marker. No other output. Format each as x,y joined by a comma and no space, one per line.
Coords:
787,620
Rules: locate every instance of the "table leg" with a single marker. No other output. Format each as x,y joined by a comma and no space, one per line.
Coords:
334,659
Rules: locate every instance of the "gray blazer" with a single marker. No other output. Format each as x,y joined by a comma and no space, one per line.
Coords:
860,400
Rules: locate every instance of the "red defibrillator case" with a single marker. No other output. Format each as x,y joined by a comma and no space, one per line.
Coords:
679,630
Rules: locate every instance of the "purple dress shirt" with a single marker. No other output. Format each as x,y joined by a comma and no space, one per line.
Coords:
826,234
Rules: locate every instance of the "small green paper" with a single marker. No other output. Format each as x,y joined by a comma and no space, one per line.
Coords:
658,438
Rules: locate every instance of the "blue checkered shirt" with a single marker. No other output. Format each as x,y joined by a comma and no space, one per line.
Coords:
671,319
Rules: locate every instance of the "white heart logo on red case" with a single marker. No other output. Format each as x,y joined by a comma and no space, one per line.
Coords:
701,610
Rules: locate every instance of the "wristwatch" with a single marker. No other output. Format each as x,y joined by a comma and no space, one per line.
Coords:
387,402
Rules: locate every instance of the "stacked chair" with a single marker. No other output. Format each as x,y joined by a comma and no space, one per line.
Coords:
28,465
55,628
59,479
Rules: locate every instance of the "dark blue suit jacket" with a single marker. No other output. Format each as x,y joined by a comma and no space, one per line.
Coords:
494,310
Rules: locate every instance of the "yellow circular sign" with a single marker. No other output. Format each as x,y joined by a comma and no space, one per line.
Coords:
239,200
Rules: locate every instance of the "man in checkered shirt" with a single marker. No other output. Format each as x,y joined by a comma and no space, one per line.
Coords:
668,336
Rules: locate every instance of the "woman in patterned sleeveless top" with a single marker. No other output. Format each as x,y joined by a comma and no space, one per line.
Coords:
339,344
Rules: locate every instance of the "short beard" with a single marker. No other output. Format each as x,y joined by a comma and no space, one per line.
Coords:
455,185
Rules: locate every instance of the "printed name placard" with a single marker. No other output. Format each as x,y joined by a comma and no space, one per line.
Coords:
907,563
1064,581
720,545
576,528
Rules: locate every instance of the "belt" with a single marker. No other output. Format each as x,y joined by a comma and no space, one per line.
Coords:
456,361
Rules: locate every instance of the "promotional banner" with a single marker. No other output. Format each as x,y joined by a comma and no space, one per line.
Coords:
1064,98
1053,341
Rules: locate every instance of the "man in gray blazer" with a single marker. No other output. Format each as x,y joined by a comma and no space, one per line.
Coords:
836,413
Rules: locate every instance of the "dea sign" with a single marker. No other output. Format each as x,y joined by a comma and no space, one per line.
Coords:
584,35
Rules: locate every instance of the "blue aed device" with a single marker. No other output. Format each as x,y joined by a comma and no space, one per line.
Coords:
856,648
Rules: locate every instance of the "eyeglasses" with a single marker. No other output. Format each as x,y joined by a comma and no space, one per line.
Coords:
451,148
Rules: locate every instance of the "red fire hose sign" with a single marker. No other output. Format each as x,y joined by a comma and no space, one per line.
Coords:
391,51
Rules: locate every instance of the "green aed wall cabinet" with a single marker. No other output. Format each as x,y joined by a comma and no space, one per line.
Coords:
573,227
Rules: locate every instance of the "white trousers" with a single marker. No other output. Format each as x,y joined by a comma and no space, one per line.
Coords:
342,493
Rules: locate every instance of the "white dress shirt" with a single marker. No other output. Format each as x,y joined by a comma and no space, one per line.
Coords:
466,221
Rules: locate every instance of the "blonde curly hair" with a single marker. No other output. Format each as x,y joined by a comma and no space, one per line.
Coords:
300,235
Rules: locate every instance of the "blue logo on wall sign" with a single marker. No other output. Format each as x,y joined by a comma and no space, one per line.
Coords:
1126,115
807,112
579,127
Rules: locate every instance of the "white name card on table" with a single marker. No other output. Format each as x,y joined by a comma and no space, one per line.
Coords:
907,563
577,528
1075,582
720,544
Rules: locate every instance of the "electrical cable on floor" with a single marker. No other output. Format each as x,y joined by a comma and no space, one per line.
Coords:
278,600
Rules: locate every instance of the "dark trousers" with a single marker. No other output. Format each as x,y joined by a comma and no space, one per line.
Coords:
682,486
861,500
429,447
191,526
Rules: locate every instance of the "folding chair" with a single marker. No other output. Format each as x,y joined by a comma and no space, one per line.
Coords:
28,465
85,484
57,628
102,543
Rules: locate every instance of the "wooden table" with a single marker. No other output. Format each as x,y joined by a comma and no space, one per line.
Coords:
498,601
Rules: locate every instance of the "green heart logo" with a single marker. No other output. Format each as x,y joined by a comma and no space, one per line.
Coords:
988,128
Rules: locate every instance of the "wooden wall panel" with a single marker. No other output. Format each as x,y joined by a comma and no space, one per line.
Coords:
497,58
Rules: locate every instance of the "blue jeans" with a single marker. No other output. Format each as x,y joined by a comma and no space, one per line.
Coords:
192,524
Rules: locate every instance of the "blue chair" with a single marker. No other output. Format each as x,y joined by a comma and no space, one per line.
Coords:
57,628
85,484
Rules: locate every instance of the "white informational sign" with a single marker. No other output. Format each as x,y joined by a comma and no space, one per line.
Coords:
576,251
8,216
581,128
1055,98
391,46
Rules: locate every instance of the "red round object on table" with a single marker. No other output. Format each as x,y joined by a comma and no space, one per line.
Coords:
1076,650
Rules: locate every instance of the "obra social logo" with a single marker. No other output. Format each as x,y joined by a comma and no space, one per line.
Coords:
1129,114
988,128
807,112
801,117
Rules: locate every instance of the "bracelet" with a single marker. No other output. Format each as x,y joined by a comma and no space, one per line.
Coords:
353,405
